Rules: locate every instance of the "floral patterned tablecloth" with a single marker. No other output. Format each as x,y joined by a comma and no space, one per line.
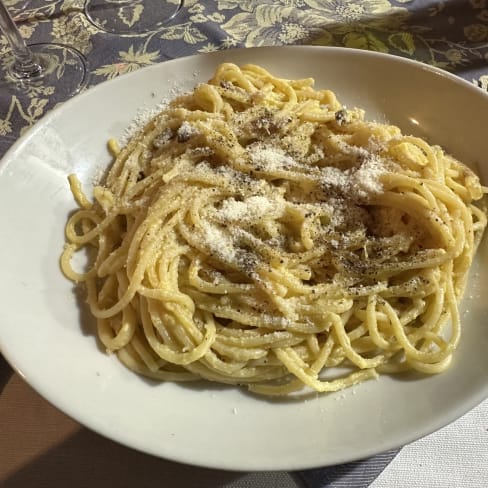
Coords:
452,35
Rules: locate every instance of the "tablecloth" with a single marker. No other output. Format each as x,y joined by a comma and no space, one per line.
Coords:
39,446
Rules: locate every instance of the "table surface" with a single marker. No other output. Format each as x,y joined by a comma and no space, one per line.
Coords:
40,446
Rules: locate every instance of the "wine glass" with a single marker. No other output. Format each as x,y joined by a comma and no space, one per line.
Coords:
131,17
59,67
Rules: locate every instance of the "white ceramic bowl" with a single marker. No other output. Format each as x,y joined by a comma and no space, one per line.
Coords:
45,332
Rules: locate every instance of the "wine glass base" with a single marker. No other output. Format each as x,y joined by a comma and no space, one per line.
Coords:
61,72
131,17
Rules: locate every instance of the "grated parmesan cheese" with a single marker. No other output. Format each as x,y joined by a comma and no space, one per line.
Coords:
252,208
142,117
185,131
269,158
356,182
219,242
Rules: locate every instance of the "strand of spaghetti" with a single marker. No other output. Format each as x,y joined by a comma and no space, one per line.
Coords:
174,357
372,322
345,341
78,194
410,351
129,293
296,366
131,358
410,205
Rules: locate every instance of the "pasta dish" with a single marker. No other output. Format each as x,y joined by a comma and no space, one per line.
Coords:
257,232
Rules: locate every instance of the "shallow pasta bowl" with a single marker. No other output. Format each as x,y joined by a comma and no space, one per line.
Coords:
45,332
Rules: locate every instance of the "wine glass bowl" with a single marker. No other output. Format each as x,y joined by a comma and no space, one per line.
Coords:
131,17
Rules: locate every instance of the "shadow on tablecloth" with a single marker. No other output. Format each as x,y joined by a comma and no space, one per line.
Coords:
86,459
5,373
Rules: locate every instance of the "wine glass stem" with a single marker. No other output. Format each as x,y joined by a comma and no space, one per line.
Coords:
25,65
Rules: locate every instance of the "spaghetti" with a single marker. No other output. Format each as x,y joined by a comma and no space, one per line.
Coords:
256,232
